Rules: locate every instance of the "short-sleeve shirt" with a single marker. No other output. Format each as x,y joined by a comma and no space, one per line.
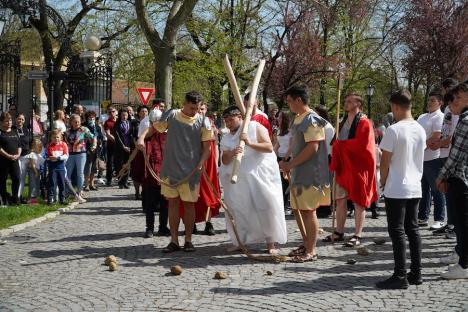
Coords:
183,147
448,128
109,125
431,122
310,127
10,141
406,140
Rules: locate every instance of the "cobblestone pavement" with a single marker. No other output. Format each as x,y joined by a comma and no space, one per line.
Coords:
58,266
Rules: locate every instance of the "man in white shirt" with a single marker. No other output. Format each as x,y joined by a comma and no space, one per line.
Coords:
401,170
145,122
432,124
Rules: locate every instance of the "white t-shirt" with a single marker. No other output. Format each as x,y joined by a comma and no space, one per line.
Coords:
59,124
283,141
448,128
329,134
406,140
431,122
38,159
144,123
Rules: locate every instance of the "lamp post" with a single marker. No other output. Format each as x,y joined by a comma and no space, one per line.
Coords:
370,92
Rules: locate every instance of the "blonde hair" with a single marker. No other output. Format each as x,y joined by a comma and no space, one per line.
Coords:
59,114
36,143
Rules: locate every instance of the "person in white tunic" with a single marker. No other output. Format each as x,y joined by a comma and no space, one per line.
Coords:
256,200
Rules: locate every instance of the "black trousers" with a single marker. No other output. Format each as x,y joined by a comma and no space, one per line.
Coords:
153,201
402,217
110,163
458,192
9,167
121,157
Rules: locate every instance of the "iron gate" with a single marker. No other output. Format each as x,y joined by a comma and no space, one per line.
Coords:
97,88
10,70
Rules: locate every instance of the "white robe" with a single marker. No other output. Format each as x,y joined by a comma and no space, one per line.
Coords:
256,200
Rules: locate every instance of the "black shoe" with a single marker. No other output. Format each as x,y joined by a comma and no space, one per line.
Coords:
414,278
394,282
443,230
137,196
93,188
163,232
195,231
121,186
209,229
108,183
148,234
125,186
375,214
23,201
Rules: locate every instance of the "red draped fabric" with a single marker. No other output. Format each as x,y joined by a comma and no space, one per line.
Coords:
354,164
206,197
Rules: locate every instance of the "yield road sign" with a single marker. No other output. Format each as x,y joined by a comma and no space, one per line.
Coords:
145,95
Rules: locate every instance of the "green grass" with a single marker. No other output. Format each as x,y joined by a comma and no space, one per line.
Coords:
12,215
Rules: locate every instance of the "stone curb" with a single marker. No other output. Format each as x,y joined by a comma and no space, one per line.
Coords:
47,216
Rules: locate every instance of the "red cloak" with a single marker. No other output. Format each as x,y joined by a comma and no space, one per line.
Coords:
154,150
354,164
206,197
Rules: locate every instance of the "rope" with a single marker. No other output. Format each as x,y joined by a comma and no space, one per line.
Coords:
243,248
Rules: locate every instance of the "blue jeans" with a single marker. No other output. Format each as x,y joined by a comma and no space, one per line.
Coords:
76,162
429,191
56,179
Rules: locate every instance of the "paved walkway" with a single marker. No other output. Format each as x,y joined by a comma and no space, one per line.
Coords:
57,266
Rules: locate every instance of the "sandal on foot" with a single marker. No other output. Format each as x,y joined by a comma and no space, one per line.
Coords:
298,251
353,241
304,258
171,248
339,237
188,247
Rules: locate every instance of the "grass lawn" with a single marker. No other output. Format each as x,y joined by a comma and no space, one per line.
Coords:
12,215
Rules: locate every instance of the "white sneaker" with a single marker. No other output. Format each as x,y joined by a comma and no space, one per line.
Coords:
455,272
437,225
450,259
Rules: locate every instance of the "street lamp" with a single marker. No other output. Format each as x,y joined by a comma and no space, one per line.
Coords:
370,92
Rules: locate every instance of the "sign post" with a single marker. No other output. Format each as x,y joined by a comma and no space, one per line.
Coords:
145,95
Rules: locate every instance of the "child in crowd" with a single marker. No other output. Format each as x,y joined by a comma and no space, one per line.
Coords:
35,161
57,152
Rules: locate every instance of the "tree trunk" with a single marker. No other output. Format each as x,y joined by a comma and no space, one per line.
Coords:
164,64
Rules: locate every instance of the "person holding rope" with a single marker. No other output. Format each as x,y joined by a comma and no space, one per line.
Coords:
256,200
187,148
310,179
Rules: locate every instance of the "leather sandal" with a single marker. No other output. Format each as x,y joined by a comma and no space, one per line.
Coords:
171,248
353,241
188,247
304,258
298,251
339,237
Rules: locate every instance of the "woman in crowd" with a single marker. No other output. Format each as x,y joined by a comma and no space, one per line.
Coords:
123,141
90,168
136,170
24,135
10,152
77,138
59,121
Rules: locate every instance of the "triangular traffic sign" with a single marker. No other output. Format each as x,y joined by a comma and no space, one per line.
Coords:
145,95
